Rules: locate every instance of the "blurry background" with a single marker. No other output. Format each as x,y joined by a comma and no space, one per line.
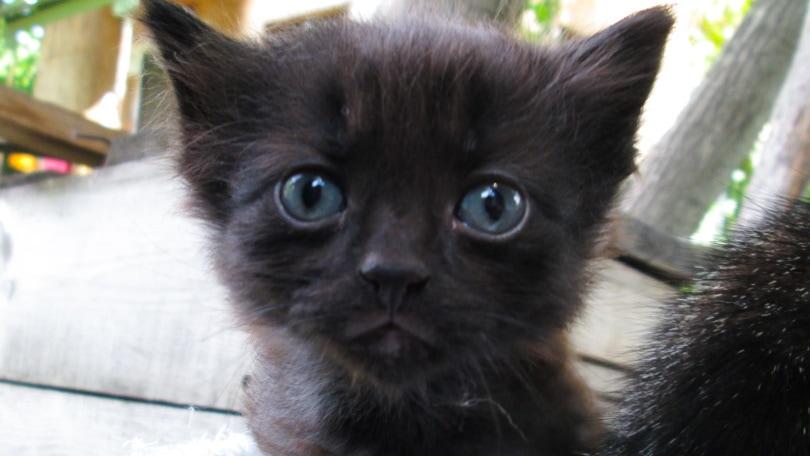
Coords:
111,324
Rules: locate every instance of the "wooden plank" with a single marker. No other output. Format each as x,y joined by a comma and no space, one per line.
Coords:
662,255
604,381
41,422
42,144
36,422
620,310
106,288
50,129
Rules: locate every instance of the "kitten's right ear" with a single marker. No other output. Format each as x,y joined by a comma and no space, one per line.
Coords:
204,67
194,56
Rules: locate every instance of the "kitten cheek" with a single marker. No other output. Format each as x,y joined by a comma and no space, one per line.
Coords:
263,224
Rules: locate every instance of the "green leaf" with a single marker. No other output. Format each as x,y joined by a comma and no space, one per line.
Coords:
716,31
712,32
546,10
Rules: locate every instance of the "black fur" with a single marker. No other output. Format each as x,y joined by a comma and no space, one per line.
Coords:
407,116
728,370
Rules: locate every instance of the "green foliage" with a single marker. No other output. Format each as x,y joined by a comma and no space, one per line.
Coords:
19,56
717,30
542,15
545,10
19,52
12,9
20,39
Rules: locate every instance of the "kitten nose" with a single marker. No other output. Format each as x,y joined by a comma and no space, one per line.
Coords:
393,279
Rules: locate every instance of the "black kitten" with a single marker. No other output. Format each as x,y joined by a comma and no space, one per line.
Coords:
403,211
733,375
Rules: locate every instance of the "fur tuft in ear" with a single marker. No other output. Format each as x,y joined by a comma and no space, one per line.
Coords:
609,77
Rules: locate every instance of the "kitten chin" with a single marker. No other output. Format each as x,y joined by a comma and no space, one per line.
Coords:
402,212
300,403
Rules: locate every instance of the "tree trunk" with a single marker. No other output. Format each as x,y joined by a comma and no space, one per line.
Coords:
785,167
690,166
79,60
506,11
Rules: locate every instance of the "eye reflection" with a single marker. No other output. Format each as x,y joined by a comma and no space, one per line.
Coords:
492,208
310,197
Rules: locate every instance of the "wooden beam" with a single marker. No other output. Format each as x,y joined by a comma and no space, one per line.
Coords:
51,130
40,144
658,254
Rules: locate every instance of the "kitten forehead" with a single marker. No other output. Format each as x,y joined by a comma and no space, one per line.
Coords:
414,87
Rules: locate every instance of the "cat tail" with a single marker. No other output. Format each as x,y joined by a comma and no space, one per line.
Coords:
727,372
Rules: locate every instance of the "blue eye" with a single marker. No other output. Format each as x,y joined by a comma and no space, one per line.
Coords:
310,197
492,208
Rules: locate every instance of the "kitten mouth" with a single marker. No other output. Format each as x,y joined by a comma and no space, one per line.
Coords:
391,331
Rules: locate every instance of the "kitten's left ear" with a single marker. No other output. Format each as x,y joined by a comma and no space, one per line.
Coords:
619,64
608,76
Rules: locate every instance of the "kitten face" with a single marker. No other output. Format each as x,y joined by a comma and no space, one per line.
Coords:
402,150
406,198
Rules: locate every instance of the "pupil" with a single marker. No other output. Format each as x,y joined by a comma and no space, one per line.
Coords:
311,193
493,204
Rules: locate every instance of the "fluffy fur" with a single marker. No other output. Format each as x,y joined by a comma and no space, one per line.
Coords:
406,116
728,370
